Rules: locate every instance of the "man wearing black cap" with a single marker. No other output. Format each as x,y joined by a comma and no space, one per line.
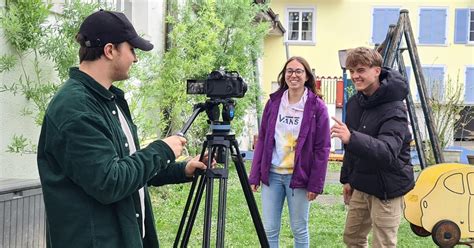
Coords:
93,173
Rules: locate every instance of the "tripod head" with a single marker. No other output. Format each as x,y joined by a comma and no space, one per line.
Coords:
215,109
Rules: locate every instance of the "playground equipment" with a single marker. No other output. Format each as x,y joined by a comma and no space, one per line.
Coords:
442,204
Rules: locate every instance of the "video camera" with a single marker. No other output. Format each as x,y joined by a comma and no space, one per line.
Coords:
219,84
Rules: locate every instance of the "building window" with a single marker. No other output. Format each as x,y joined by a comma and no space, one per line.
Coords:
469,86
464,26
300,25
432,26
381,19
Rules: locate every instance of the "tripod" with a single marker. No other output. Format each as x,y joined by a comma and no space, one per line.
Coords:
220,143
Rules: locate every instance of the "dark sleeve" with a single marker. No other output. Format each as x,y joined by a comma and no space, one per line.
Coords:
254,177
385,147
170,175
85,151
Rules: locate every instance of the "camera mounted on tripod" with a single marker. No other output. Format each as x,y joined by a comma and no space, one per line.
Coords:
220,86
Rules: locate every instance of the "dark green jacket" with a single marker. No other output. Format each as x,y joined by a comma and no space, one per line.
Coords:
90,183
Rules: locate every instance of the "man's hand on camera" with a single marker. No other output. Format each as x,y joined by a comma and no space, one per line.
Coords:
176,143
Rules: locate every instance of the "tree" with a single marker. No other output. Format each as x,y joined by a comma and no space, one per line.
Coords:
205,36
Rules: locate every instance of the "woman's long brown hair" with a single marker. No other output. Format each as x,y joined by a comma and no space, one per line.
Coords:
310,83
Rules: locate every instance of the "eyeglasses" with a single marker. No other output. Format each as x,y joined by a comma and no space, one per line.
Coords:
298,72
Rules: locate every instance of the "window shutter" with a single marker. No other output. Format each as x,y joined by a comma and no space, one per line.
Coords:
424,33
469,86
434,77
461,24
432,26
382,18
439,26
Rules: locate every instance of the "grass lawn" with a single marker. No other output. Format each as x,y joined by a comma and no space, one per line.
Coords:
326,222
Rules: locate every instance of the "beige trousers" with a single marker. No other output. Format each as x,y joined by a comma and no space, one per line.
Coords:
367,212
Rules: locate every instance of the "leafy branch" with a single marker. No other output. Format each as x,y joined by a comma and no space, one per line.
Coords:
34,43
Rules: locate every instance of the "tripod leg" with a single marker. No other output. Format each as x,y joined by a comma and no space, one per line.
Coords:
222,206
185,212
194,209
244,182
209,196
193,213
208,213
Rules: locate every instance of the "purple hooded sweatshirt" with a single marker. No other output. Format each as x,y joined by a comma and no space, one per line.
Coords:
312,150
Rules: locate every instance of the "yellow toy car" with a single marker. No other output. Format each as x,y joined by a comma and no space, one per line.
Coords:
442,204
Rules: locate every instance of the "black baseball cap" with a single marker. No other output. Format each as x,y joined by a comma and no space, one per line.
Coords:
104,27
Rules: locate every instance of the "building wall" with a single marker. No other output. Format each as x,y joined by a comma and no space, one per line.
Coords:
148,17
343,24
13,122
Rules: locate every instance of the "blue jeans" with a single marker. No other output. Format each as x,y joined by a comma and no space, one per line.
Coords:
273,197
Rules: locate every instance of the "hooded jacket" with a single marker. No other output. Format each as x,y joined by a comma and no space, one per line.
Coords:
312,149
377,157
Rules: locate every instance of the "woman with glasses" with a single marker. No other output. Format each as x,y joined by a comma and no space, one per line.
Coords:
292,151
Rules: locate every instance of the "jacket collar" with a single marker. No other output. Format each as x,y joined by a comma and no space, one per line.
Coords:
393,87
95,86
277,94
